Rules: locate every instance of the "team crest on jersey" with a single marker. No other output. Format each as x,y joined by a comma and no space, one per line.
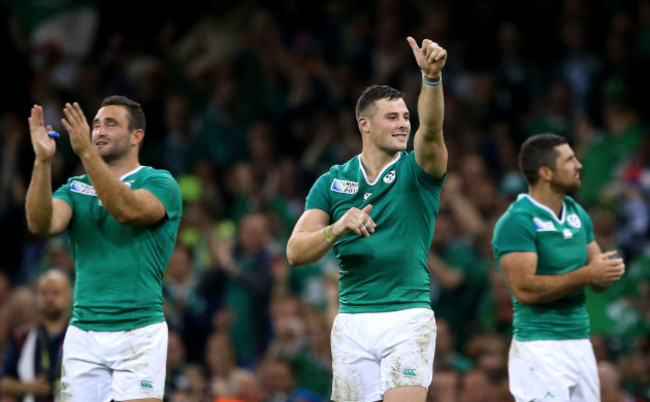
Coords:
390,177
345,186
574,221
542,226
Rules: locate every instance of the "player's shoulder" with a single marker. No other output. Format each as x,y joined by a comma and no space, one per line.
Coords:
572,203
150,174
149,171
520,210
84,178
350,167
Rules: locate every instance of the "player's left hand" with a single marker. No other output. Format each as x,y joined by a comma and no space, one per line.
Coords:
77,126
431,57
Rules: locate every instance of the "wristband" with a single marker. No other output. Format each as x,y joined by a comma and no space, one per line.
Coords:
329,236
429,80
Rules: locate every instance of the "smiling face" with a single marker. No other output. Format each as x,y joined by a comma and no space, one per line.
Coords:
387,125
111,134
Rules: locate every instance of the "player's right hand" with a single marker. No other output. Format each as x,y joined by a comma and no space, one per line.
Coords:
355,220
44,146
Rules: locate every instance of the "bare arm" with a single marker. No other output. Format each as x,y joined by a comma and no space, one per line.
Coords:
45,216
309,241
11,386
130,207
429,144
519,269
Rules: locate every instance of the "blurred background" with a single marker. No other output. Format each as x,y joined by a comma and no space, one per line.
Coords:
248,102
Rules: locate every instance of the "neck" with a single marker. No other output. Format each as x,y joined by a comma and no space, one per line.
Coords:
118,167
374,162
53,327
545,196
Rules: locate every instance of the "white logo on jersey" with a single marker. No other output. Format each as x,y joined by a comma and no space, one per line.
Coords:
390,177
345,186
567,234
366,195
574,221
85,189
82,188
542,226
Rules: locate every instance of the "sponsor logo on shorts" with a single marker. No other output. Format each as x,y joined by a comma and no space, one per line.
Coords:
549,395
146,384
345,186
409,372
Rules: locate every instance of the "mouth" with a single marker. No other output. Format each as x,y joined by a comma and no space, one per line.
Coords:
101,143
401,137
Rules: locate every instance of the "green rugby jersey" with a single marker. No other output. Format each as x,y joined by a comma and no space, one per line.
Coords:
387,271
561,246
119,268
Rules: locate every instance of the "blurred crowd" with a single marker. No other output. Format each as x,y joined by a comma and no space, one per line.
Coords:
248,102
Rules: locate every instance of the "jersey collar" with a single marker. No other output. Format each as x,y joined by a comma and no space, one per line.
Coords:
547,209
127,174
381,174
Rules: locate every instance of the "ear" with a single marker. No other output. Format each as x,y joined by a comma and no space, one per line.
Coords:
364,124
136,137
545,173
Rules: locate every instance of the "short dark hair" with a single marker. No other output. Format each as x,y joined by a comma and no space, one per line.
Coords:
536,152
374,93
137,120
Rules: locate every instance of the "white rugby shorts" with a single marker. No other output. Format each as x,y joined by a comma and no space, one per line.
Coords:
121,365
558,371
375,352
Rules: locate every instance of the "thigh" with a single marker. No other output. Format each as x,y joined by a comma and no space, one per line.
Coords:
84,377
537,371
356,374
588,387
408,350
139,367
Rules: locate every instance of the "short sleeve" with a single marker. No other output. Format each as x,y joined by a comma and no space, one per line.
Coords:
422,178
513,232
319,196
166,189
63,193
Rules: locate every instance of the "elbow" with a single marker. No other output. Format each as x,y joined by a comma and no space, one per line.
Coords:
293,256
36,229
126,216
525,298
